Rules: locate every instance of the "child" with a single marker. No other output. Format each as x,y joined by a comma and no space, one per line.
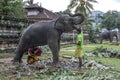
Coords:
79,47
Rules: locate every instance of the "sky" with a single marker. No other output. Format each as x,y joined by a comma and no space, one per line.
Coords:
61,5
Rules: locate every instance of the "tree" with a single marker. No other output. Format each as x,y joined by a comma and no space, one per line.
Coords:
12,8
85,7
82,6
30,1
67,11
88,26
4,7
110,20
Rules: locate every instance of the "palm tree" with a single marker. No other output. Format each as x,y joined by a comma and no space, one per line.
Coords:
30,1
82,6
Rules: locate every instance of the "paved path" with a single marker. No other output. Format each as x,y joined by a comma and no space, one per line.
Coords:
5,60
8,60
66,50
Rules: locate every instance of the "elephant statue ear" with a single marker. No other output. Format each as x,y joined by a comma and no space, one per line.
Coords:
59,23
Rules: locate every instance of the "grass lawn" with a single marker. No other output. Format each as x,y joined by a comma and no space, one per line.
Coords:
70,52
113,62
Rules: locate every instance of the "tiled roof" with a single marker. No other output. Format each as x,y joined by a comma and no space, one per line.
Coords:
32,6
42,15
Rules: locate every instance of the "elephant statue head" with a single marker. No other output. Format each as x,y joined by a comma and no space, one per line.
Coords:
66,23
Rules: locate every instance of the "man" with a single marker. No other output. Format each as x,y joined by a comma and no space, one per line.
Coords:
33,57
79,47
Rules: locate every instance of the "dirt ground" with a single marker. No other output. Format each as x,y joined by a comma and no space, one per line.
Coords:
10,71
7,68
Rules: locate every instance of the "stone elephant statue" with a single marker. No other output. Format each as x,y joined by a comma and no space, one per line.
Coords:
108,35
47,33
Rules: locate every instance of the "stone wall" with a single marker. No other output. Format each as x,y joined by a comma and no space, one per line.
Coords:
10,30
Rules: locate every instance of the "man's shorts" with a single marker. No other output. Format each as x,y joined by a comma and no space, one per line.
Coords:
78,53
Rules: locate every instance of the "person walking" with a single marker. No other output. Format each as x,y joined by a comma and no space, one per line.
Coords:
79,46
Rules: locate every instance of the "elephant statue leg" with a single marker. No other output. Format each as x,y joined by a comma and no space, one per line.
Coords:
117,39
110,40
100,38
53,45
19,52
110,37
58,45
22,47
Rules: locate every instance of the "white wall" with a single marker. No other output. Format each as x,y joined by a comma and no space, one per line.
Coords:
32,12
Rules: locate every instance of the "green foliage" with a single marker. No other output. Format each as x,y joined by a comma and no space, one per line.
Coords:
68,74
82,6
92,36
88,22
67,11
88,26
91,33
110,20
12,8
102,72
30,1
106,52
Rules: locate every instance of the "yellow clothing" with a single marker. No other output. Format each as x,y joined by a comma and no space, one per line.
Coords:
78,53
32,58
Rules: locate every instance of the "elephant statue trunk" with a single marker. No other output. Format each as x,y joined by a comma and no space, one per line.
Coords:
78,20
